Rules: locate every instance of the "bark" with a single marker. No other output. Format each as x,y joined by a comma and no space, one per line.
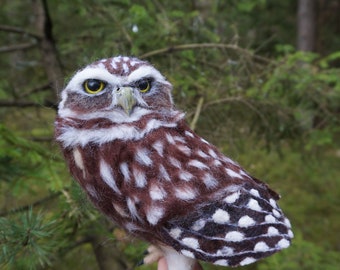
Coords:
108,256
46,43
306,25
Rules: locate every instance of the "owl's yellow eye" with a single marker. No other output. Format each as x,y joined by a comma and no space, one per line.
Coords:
144,85
93,86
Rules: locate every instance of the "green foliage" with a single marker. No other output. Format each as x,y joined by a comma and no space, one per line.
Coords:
303,255
28,240
277,116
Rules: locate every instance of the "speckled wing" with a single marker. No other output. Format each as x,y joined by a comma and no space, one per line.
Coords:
240,227
238,223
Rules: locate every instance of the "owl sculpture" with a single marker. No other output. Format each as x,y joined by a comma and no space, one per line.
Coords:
142,166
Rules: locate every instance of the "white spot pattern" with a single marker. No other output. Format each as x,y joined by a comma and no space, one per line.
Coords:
189,134
273,203
232,198
270,219
234,236
287,222
185,176
174,162
255,192
170,139
154,214
202,154
191,242
283,243
212,153
209,181
272,231
254,205
217,163
247,261
163,173
132,208
142,157
261,247
159,147
225,251
157,193
276,213
221,217
233,174
139,176
185,194
198,225
106,175
91,190
175,232
78,160
198,164
290,234
184,149
120,210
124,169
246,221
221,262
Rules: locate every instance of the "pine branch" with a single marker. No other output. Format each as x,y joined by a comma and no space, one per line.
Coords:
34,204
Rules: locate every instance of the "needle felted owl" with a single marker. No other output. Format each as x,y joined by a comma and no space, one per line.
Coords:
142,166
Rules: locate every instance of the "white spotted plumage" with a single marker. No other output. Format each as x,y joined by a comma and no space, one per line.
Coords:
142,166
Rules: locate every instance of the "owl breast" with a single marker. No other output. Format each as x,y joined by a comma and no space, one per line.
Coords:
139,180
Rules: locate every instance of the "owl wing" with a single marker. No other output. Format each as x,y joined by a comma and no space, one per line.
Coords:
233,218
242,226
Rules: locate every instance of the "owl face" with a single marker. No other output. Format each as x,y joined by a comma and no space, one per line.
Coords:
117,88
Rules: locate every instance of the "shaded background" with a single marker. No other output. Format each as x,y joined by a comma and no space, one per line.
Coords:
258,78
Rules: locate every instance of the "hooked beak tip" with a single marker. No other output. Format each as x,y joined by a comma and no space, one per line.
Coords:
126,99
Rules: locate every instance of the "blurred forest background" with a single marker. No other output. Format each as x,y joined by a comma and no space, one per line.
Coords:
258,78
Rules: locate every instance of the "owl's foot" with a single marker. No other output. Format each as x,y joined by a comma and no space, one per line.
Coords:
169,259
153,254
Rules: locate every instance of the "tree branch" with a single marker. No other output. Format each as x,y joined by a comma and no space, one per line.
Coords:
24,104
197,113
202,46
17,47
36,90
241,100
13,29
34,204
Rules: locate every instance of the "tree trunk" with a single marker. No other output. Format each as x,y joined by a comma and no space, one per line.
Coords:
108,256
50,58
306,25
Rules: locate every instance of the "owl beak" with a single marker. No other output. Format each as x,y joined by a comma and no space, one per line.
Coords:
126,99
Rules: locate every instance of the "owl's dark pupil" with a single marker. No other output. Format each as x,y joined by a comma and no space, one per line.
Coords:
93,84
143,84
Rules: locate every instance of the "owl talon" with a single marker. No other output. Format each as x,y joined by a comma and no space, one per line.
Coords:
153,254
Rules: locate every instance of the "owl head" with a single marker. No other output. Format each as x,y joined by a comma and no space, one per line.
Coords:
117,88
